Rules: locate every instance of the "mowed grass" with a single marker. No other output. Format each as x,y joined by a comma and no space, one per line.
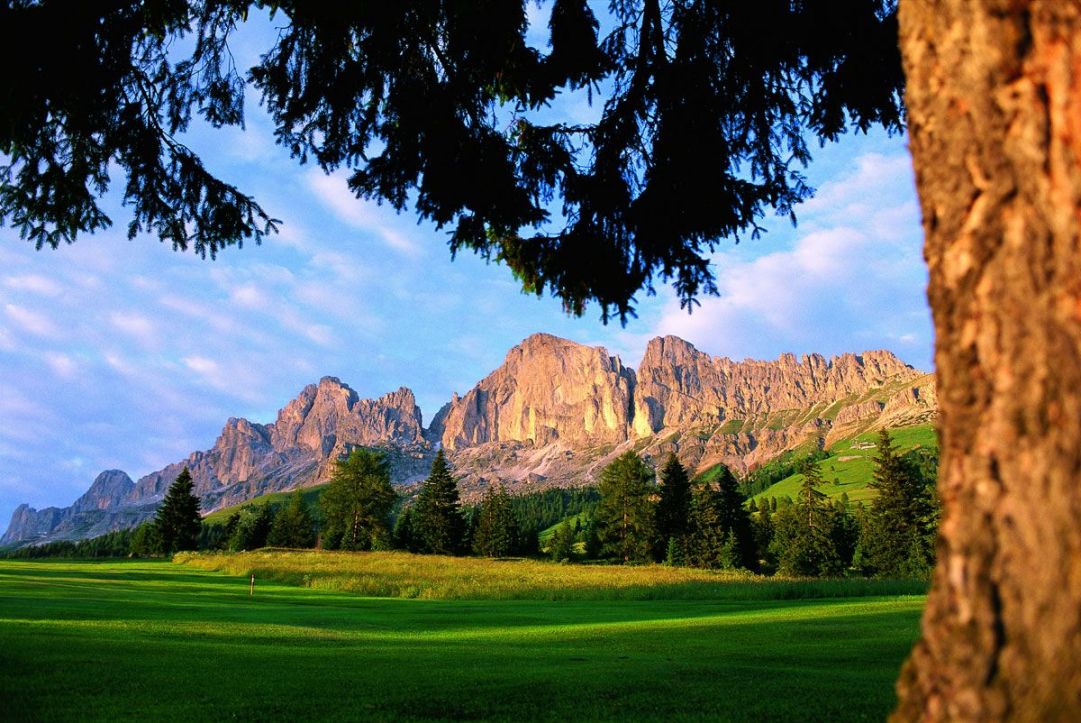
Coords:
162,641
850,466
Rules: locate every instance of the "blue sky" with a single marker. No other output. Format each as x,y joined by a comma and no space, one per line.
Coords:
118,354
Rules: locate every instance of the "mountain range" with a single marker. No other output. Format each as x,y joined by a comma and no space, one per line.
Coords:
552,415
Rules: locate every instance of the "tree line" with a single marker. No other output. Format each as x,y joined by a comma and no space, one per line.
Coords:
635,515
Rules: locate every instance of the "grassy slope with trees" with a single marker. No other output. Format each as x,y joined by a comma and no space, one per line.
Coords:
150,639
848,468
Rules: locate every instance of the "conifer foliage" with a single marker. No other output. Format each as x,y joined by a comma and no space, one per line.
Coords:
497,529
674,505
357,502
178,517
625,516
437,521
898,534
293,525
720,527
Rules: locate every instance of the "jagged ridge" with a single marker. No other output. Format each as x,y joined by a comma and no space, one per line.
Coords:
550,415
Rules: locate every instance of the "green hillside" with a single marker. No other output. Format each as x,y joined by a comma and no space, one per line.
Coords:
277,499
849,467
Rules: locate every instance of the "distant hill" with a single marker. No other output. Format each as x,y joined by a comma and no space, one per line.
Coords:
552,415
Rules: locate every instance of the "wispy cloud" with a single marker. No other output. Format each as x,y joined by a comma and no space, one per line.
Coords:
334,194
34,322
853,278
135,325
35,284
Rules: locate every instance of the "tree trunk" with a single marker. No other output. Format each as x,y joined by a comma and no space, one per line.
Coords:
994,102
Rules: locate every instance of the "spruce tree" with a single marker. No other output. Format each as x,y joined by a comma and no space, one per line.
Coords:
293,525
705,546
735,520
178,519
402,537
674,505
897,538
625,514
252,528
497,527
437,519
356,504
809,496
561,545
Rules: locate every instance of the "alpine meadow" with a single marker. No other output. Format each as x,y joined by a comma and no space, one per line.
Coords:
748,389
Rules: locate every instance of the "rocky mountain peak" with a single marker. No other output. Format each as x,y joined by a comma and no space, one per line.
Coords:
547,389
109,490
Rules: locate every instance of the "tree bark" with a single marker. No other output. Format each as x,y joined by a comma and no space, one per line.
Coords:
994,102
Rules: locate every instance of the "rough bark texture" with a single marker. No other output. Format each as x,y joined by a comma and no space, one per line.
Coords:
994,101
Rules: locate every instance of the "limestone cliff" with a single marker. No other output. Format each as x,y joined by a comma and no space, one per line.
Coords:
553,414
548,389
248,459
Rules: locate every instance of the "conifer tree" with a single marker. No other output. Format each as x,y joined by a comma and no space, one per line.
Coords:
735,520
497,528
706,538
625,514
897,537
178,519
674,505
356,504
293,526
561,545
252,528
402,537
438,523
809,496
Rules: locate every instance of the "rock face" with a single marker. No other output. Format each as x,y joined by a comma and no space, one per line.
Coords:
248,459
109,489
680,386
553,414
548,389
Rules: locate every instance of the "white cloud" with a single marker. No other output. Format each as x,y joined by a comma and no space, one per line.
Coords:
332,192
35,284
852,280
249,296
61,364
134,325
32,321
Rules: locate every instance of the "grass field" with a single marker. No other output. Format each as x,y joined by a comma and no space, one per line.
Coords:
162,641
849,467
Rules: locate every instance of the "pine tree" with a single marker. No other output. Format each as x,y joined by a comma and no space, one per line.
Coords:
402,536
735,520
762,528
591,541
809,496
252,528
178,519
437,519
293,525
897,538
705,545
497,528
561,545
356,504
625,514
146,540
674,505
674,554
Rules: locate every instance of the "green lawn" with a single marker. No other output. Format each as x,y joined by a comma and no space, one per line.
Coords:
851,464
157,640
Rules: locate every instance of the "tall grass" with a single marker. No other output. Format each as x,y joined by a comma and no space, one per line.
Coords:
404,575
